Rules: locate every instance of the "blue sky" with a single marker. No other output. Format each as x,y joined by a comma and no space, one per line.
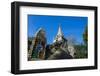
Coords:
70,25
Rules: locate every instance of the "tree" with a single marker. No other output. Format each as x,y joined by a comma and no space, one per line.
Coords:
85,36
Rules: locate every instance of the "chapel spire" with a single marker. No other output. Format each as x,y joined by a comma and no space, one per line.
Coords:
59,35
